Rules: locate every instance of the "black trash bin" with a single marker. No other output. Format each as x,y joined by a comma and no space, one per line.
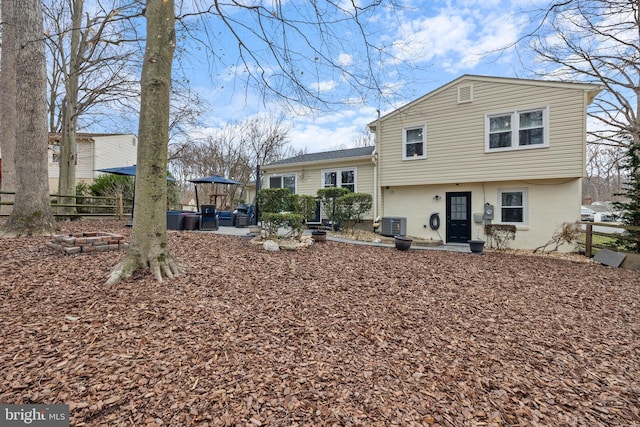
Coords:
208,217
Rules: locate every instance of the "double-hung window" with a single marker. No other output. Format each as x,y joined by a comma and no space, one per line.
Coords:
517,130
283,181
345,178
513,206
414,142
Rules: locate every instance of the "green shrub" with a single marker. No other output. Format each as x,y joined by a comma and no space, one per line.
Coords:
630,204
353,207
82,192
329,197
276,200
111,185
292,223
174,193
305,205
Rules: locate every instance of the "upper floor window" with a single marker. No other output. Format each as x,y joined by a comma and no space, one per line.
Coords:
345,178
513,206
414,143
517,130
283,181
55,153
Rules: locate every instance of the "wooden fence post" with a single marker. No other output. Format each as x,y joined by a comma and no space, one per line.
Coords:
120,206
588,241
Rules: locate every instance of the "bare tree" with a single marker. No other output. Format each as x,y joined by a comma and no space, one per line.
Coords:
265,139
363,138
8,105
90,66
604,174
234,152
32,208
596,41
279,65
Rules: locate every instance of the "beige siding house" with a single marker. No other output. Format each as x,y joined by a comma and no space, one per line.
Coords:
485,150
95,151
305,174
475,151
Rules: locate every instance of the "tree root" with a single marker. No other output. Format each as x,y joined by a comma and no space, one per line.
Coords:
160,266
13,229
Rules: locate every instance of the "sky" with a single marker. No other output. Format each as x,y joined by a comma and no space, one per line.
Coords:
423,45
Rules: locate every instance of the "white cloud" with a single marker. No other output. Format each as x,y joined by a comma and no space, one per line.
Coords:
330,131
325,86
345,59
457,38
423,39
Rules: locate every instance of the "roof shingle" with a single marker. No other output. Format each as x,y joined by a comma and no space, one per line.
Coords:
326,155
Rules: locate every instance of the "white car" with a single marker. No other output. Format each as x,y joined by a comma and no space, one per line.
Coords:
586,214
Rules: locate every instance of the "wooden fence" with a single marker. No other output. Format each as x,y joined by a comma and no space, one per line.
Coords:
85,205
618,232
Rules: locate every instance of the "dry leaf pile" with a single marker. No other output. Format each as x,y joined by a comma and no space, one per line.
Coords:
334,335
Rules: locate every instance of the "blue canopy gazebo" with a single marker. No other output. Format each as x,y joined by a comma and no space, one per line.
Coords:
214,179
125,170
128,171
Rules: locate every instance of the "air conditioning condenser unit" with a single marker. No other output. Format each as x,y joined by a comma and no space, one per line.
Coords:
394,226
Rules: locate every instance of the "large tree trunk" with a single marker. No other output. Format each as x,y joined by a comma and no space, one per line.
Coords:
68,151
68,156
8,105
148,247
32,208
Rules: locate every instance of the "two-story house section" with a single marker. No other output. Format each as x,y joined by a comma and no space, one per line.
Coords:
485,149
95,151
351,168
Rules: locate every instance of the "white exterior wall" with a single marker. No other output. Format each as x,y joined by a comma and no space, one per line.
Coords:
550,203
112,151
103,151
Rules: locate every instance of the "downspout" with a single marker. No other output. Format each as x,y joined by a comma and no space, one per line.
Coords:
376,183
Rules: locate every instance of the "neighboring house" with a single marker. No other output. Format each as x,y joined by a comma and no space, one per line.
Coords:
352,168
95,151
188,203
249,192
476,150
603,212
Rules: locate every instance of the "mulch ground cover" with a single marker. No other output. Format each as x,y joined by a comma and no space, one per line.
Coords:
337,334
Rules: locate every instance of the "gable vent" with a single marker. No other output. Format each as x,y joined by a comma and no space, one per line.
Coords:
465,93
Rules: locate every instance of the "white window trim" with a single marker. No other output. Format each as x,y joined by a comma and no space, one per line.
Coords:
525,206
515,128
424,142
339,176
282,176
